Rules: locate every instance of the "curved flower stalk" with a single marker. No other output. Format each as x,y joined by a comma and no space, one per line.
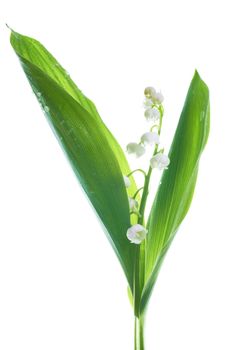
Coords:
102,169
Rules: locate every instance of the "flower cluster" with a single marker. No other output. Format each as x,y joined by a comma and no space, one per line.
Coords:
152,104
153,114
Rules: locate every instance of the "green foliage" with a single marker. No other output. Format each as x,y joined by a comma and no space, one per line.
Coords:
99,163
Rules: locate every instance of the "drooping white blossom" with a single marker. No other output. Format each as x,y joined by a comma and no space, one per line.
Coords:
136,233
160,161
158,98
150,138
136,149
148,103
127,181
133,204
152,114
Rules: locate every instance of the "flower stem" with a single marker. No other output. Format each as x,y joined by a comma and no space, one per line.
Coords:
154,126
147,180
136,193
140,170
139,334
139,266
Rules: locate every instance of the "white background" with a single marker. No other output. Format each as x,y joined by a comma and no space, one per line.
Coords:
61,286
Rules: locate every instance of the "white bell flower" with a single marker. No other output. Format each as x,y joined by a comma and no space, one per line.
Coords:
148,103
127,182
158,98
160,161
136,233
150,138
135,148
133,204
152,114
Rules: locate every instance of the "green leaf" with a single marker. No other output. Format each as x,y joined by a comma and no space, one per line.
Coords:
95,156
34,52
175,193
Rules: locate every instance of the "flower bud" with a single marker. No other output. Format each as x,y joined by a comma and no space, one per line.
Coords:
136,233
150,138
133,204
158,98
160,161
152,114
149,92
148,103
127,182
135,148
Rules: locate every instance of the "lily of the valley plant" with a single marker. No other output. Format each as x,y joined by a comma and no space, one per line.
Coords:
101,167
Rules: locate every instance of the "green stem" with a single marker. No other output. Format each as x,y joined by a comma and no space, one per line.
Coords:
154,126
136,193
139,334
140,170
139,266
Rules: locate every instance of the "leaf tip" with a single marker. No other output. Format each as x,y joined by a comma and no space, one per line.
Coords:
9,27
197,78
196,75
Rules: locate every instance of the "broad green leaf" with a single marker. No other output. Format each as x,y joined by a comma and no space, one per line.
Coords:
86,144
175,193
34,52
